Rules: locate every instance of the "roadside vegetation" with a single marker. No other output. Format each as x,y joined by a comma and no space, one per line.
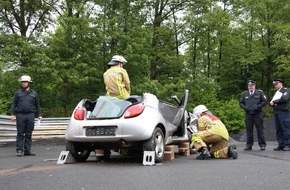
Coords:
209,47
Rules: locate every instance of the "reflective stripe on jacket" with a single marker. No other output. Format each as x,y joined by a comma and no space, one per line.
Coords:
214,125
117,82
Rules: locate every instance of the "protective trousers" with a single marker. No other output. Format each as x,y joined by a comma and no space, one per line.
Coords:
256,119
282,125
219,146
25,126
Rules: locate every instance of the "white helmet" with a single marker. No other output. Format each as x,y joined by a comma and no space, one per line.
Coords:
116,59
199,109
25,78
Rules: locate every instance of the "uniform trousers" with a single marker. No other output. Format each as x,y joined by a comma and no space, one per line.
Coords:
282,125
256,119
219,145
25,126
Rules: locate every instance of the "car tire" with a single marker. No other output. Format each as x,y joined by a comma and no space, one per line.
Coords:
79,151
156,144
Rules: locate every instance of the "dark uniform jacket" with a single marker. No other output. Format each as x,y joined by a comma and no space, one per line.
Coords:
252,104
281,105
25,102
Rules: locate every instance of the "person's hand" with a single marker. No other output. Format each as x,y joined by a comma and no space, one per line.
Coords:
272,103
12,118
40,118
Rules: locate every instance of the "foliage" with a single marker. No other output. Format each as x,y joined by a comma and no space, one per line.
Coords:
231,114
209,47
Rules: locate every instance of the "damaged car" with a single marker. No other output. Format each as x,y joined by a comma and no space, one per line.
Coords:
136,124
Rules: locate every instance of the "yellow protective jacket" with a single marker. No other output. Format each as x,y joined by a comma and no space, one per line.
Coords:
117,82
214,125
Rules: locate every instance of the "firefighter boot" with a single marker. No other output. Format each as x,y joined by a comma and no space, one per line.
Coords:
204,154
232,152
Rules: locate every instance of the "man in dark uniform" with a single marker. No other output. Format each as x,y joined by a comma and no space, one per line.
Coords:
281,113
25,103
252,102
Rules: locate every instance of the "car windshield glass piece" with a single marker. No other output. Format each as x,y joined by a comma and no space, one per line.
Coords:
109,107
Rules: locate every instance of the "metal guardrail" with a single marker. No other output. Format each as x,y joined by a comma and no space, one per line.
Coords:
48,128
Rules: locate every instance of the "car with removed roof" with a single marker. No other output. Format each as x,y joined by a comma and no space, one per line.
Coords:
132,125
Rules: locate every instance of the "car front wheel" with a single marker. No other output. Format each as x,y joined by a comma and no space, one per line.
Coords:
79,151
156,144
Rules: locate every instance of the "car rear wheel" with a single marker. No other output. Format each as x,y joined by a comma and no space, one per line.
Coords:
79,151
156,144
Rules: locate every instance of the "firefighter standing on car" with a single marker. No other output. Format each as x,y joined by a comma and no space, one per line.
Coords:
25,103
212,133
252,102
116,78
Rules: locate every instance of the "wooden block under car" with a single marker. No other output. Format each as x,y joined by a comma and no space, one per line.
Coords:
184,149
183,145
186,153
168,155
99,152
169,148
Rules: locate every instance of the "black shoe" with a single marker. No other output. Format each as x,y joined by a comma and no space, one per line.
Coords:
286,148
248,148
204,154
263,148
232,152
19,153
29,153
278,148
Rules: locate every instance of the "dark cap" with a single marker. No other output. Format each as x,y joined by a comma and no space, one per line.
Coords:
275,81
251,82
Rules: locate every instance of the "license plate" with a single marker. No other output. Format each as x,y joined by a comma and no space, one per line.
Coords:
101,131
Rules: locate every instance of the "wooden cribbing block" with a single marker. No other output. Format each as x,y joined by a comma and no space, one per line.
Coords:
169,148
168,155
186,153
99,153
183,145
183,149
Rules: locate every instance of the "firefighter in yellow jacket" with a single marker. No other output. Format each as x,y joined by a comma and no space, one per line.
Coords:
116,78
212,133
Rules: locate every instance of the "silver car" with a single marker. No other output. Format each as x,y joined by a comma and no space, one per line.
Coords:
136,124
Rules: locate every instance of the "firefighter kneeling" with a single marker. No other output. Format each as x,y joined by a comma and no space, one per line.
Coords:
212,133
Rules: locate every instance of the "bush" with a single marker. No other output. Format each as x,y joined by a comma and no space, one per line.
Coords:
231,114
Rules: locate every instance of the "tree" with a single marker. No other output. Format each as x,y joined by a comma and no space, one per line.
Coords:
25,18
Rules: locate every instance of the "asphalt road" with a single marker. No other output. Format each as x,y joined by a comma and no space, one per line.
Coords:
252,170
